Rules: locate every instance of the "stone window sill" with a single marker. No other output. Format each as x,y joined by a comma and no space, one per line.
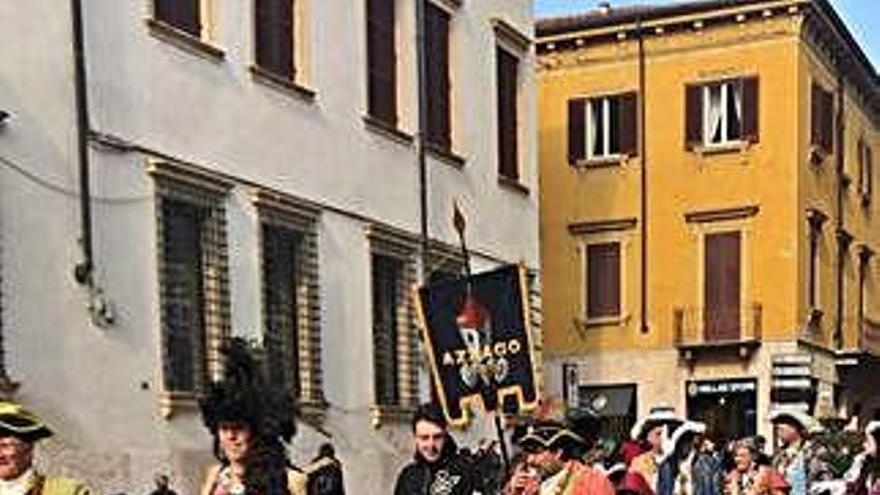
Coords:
385,129
513,184
281,83
184,40
731,147
444,155
602,162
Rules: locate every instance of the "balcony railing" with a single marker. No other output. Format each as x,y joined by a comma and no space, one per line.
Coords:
717,327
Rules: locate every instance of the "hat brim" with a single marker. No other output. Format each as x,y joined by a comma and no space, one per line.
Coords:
642,427
795,418
25,429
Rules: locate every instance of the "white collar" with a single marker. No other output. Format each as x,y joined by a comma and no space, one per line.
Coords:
20,485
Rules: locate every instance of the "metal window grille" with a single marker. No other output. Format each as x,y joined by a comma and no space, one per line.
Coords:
194,283
291,302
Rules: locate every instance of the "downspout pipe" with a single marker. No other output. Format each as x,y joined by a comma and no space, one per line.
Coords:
85,268
422,69
644,175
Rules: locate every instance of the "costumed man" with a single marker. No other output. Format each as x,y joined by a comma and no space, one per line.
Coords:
20,430
675,473
797,459
863,477
325,473
251,422
552,464
437,467
650,430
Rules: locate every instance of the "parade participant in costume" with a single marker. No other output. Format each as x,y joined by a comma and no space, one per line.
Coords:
797,459
251,421
325,473
436,468
20,430
749,477
707,471
650,430
863,477
675,473
552,463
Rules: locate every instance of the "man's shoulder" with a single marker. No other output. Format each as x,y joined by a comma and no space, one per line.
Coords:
64,486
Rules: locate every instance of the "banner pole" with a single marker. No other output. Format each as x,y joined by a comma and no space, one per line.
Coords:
459,223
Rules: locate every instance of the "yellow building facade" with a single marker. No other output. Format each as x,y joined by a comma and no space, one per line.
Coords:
709,212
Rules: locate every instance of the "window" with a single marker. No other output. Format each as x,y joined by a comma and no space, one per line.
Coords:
274,37
395,371
816,219
281,278
721,113
184,15
603,280
291,303
386,282
602,127
438,132
193,277
721,286
866,171
822,119
381,62
507,71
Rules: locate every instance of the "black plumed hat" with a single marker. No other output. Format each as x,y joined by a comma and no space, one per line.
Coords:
244,395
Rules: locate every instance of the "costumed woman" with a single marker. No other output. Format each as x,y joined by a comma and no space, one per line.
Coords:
251,422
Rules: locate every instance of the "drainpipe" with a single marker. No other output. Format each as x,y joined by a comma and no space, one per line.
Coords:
83,270
421,62
644,175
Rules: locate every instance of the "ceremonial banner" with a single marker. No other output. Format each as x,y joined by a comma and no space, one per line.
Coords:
478,342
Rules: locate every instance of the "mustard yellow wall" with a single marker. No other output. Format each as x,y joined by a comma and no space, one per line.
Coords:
819,191
773,174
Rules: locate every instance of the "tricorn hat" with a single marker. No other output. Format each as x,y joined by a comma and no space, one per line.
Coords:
795,417
16,421
552,435
659,416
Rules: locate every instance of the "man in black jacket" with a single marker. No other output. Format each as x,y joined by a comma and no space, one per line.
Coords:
437,467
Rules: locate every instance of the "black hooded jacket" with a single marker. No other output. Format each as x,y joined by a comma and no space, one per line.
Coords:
449,475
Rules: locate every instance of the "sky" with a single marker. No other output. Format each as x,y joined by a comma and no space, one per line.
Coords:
858,15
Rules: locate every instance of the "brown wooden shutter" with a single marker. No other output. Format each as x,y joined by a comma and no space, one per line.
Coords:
603,279
750,109
507,66
628,120
438,130
693,116
274,36
381,62
182,14
822,118
869,172
721,315
577,120
815,117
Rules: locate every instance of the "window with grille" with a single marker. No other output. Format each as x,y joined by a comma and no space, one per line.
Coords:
507,79
281,280
722,112
381,62
436,29
387,273
184,15
603,280
183,304
274,36
193,276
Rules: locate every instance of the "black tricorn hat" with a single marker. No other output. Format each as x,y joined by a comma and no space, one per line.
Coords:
552,435
16,421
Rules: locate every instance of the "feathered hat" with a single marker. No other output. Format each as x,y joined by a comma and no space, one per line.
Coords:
244,396
795,417
659,416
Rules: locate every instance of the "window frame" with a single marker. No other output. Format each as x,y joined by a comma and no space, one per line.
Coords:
587,264
373,75
725,86
438,134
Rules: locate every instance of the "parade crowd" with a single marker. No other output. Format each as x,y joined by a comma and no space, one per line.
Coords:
252,424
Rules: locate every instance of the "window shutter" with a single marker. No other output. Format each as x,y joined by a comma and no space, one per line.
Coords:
507,68
603,279
822,118
750,109
381,62
437,51
827,121
577,141
274,33
182,14
815,117
693,116
628,120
